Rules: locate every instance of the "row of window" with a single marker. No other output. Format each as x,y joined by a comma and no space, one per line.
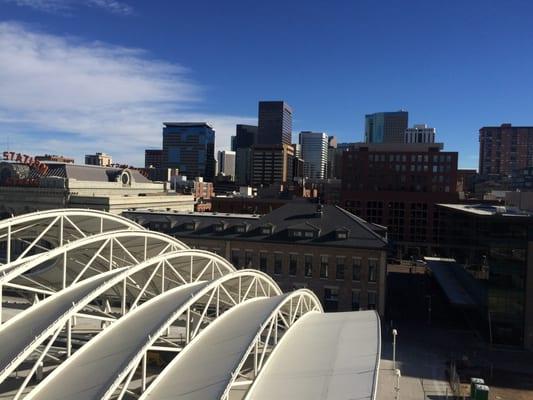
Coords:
325,269
331,300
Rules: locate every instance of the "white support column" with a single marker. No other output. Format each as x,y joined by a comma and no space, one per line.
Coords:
64,270
188,326
111,254
9,244
143,384
69,337
0,304
123,305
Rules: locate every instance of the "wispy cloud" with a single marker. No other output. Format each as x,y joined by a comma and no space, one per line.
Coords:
68,6
95,96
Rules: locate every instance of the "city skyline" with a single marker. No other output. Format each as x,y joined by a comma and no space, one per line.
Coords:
114,84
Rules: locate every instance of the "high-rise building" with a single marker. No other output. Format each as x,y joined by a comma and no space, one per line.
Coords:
275,123
505,148
226,163
314,153
101,159
245,138
386,127
420,133
272,164
190,147
153,158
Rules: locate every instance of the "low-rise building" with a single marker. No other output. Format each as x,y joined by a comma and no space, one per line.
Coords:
339,256
493,246
23,189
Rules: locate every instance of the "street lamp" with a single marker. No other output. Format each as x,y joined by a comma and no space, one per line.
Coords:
397,388
394,334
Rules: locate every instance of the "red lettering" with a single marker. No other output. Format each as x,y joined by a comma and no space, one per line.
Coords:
6,155
11,155
19,158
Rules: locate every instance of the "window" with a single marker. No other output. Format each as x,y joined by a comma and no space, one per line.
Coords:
266,230
308,265
339,271
356,269
309,234
331,299
372,270
293,264
263,261
278,264
240,228
324,267
297,233
356,300
372,297
235,258
248,259
342,234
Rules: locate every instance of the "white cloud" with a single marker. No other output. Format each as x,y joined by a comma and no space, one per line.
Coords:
68,6
98,96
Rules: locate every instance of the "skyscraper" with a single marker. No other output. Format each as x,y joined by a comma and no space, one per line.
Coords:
272,164
190,147
386,127
505,148
245,138
153,158
314,153
226,163
275,123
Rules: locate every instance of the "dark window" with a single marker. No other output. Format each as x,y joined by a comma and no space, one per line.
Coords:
331,299
324,266
356,301
278,262
356,269
248,259
235,258
263,261
293,264
339,272
308,265
372,297
372,270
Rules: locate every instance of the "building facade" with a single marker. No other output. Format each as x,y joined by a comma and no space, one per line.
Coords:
226,163
398,186
326,249
272,164
314,148
494,245
66,185
502,149
153,158
190,147
275,123
386,127
100,159
420,133
245,139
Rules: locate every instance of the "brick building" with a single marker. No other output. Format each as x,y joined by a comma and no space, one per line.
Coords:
339,256
398,185
502,149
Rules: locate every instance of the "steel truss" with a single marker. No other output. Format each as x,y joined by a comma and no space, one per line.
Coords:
206,304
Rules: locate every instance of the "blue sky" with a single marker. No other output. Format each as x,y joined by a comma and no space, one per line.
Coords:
101,75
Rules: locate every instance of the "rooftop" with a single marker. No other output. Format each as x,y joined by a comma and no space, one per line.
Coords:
326,221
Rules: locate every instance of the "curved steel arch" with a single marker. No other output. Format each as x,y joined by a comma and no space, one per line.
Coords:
45,273
210,365
54,228
88,373
25,332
